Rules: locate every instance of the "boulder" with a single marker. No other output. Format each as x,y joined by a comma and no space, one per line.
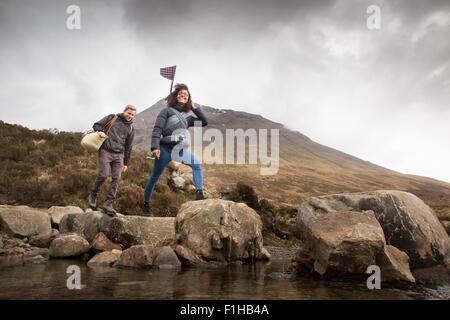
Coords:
105,259
102,243
139,256
43,241
167,259
344,242
407,222
23,221
57,213
136,230
85,224
68,245
394,265
220,230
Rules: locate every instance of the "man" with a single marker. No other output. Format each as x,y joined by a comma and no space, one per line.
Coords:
113,155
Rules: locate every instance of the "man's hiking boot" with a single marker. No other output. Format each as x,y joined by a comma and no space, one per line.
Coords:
92,201
108,207
146,211
199,194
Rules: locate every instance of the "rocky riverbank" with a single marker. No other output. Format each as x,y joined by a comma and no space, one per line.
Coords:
342,235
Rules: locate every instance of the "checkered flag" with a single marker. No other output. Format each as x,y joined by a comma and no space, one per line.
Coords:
168,72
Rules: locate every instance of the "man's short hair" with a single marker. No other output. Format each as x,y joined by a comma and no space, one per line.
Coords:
130,107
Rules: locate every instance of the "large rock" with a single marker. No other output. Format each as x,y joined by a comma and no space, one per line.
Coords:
167,259
23,221
394,265
105,259
85,224
221,230
139,256
68,245
57,213
136,230
344,242
102,243
407,222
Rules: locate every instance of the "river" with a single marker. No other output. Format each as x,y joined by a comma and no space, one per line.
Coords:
259,281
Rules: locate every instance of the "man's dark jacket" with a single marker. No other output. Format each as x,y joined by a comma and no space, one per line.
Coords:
120,136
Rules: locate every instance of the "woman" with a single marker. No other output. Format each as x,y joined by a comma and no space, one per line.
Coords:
174,117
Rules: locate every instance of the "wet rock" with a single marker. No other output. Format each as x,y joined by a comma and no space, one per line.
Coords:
343,243
68,245
136,230
220,230
187,257
23,221
85,224
43,241
394,265
407,222
139,256
105,259
102,243
57,213
167,259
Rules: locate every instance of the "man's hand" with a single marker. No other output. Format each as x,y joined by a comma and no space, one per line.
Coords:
125,168
157,153
102,134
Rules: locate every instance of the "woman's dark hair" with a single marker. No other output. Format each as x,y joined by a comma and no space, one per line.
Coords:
172,101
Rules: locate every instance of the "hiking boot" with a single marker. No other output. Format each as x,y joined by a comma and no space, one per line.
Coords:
199,194
108,207
146,211
92,201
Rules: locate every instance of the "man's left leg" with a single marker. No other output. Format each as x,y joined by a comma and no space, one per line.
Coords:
116,173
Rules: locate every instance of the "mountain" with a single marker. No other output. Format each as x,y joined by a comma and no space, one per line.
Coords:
306,167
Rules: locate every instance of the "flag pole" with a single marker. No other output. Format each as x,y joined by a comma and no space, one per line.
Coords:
171,86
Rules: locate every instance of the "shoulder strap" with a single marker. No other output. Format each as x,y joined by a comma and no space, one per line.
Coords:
110,123
181,118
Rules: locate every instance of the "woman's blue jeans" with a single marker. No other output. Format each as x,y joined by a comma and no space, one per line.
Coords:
185,156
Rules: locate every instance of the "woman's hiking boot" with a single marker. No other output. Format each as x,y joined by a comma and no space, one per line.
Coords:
199,194
146,211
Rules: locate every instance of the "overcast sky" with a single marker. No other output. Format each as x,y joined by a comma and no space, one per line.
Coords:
381,95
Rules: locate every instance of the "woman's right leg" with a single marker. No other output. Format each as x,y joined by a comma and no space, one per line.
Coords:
158,167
